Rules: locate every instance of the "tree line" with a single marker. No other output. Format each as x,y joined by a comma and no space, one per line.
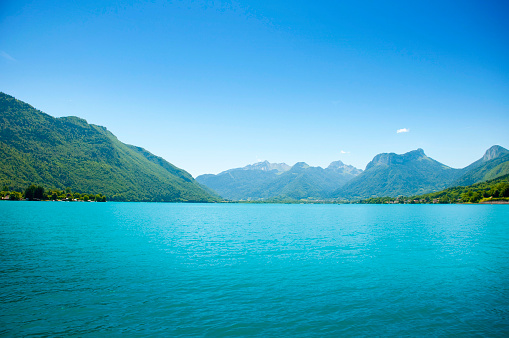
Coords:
38,193
493,190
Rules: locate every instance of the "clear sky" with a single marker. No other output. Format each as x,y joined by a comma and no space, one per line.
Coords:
213,85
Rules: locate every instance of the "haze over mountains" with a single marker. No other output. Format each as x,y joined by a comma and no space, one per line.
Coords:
69,152
388,174
258,181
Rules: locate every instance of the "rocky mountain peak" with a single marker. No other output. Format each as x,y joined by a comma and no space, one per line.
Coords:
494,152
392,158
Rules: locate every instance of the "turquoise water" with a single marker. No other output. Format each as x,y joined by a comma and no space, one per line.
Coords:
150,269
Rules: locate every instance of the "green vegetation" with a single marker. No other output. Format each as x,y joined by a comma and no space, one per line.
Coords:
38,193
6,194
294,184
414,173
238,184
302,182
493,164
493,190
393,175
68,152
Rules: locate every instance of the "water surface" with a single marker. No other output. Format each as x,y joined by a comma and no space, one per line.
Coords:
157,269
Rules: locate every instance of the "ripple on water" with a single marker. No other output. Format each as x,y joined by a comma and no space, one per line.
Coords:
253,270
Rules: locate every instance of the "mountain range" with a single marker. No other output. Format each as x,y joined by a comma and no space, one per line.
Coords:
388,174
493,164
68,152
258,181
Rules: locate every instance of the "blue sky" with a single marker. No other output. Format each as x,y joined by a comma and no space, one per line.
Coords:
212,85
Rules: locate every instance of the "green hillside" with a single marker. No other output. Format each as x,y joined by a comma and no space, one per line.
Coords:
259,182
393,175
497,189
69,152
493,164
303,181
238,184
388,174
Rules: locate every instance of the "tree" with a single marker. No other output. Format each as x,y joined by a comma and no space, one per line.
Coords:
34,192
15,196
445,199
39,192
494,192
504,191
476,197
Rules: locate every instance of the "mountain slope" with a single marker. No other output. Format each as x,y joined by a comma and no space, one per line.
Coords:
491,190
238,184
69,152
493,164
258,181
303,181
389,174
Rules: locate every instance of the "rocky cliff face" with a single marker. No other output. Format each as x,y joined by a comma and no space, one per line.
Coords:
340,167
493,164
494,152
390,174
392,158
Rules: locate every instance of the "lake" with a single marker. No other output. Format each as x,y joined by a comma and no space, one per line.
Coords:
266,270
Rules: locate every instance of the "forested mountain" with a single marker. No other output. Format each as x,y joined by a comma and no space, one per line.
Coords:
69,152
414,173
493,164
390,174
257,181
303,181
238,184
496,190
